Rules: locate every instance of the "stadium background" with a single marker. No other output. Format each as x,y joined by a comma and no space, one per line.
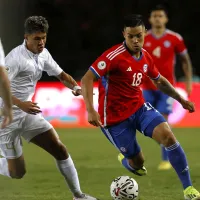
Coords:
79,31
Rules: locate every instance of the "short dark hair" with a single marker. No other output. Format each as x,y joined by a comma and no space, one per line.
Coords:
133,20
159,7
35,24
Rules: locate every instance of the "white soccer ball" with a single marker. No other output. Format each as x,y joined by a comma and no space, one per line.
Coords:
124,188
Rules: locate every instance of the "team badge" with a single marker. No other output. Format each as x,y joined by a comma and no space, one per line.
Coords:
145,68
123,149
101,65
148,44
167,44
7,69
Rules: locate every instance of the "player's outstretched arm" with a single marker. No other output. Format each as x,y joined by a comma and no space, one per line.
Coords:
87,92
69,82
165,86
187,68
6,96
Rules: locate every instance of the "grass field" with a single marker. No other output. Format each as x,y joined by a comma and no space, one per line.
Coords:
96,162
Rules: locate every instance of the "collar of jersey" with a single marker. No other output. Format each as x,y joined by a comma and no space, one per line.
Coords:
31,54
137,59
157,38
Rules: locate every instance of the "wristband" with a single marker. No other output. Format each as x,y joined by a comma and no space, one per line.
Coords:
77,87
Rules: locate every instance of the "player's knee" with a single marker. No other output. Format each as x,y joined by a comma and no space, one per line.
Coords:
168,139
17,174
60,151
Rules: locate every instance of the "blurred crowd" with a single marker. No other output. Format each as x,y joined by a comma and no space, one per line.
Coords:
80,30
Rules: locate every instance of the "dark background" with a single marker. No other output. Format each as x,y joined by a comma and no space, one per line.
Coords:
80,30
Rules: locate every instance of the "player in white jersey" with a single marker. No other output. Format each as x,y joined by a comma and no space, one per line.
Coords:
25,65
5,93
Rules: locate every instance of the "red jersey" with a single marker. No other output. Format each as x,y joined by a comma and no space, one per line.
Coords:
163,51
120,76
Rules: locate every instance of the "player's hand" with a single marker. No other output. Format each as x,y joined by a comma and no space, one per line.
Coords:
94,118
29,107
188,88
77,92
188,105
8,117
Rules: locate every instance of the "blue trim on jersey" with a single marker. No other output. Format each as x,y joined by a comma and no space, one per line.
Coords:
138,59
95,73
183,52
156,37
156,77
104,81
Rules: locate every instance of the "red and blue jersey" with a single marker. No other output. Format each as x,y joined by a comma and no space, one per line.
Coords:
120,77
163,51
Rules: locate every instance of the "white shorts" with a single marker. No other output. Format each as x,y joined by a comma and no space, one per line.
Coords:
27,127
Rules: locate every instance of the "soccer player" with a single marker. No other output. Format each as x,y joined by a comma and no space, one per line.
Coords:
122,110
5,93
25,65
163,45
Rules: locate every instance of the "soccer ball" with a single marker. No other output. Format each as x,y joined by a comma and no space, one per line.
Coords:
124,188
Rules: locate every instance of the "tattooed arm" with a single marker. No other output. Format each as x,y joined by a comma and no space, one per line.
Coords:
165,86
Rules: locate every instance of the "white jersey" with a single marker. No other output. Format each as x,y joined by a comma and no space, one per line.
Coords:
2,56
25,69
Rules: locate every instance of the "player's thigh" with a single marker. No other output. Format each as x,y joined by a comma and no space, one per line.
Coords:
50,142
152,124
164,104
147,118
149,96
11,149
40,132
123,137
163,134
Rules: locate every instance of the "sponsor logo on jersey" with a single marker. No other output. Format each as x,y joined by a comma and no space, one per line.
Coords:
129,69
145,68
167,44
101,65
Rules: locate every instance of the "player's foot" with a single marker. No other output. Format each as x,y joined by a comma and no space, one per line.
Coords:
190,193
164,165
85,197
140,172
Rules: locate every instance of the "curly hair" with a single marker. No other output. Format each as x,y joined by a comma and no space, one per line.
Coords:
35,24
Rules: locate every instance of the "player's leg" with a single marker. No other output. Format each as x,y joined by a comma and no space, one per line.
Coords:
42,134
160,131
12,163
123,137
163,134
164,106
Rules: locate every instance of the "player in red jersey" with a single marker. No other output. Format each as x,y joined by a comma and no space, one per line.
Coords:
121,71
163,45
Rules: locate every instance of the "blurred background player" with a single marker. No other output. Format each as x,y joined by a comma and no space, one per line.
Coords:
25,65
5,93
122,110
163,45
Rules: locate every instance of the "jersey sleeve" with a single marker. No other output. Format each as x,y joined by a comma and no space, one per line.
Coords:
2,55
152,71
101,66
180,47
12,67
50,65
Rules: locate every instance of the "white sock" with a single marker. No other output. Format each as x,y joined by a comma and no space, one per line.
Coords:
4,167
68,170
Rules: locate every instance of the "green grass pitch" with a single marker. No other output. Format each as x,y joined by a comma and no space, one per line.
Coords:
97,165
